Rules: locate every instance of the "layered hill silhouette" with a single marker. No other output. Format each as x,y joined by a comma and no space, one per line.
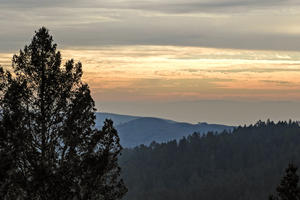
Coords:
135,130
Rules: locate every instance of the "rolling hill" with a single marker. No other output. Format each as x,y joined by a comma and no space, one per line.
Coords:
134,130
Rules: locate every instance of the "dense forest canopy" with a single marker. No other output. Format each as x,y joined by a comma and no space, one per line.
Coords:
244,164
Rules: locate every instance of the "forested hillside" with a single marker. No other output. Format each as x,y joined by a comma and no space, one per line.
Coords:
244,164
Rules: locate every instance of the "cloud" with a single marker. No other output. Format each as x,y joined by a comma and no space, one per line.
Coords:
241,24
248,69
203,6
158,73
167,6
277,82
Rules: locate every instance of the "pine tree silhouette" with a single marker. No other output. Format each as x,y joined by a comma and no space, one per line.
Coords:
49,146
288,188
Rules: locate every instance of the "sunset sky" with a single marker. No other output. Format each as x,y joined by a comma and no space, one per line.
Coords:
219,61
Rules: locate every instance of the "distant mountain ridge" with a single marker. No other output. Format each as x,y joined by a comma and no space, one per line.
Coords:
135,130
117,118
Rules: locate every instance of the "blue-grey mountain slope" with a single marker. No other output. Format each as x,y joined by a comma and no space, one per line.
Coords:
117,118
134,131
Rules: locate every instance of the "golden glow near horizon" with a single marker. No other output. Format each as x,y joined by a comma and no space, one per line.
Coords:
166,73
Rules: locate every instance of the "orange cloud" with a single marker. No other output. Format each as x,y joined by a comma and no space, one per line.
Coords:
166,73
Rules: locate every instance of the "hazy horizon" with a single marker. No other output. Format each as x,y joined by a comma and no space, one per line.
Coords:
215,111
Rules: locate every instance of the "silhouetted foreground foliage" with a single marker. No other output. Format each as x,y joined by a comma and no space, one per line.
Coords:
288,188
245,164
49,148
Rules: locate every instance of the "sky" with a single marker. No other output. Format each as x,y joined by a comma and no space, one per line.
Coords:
218,61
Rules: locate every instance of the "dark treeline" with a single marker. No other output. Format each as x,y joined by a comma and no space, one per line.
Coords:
246,163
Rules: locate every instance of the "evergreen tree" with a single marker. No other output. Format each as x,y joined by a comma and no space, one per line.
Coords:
288,188
49,147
